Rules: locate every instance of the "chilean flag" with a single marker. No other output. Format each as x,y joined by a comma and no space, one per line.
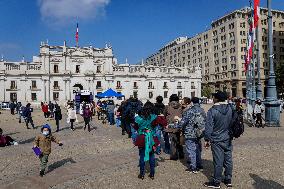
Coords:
256,12
77,34
250,45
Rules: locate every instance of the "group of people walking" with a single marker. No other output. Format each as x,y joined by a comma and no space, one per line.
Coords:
154,127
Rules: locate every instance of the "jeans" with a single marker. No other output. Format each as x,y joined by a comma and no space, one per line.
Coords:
167,142
43,161
159,136
142,162
222,157
193,149
29,120
111,118
118,122
134,134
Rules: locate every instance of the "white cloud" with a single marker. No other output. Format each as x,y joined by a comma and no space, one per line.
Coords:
62,11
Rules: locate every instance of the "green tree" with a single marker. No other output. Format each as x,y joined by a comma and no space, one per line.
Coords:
206,91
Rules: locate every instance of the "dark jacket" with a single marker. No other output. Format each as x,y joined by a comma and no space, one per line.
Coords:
173,109
217,123
159,108
188,121
87,113
57,114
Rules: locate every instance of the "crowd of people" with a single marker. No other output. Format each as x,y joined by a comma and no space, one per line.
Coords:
154,128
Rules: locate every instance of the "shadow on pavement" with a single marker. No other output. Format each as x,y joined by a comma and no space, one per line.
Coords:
208,168
260,183
27,141
60,163
12,133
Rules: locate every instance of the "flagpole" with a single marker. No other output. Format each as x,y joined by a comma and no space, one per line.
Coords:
253,95
259,87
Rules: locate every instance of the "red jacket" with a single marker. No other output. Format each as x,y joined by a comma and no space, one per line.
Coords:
44,108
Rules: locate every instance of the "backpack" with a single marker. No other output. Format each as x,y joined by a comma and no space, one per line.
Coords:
237,125
199,124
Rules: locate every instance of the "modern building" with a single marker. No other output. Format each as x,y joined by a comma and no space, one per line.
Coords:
59,71
220,51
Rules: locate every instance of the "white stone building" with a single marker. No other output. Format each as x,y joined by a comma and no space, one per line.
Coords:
57,71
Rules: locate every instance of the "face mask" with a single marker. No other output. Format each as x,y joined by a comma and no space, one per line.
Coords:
45,133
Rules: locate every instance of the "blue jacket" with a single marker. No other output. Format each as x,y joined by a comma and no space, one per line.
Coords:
188,121
217,123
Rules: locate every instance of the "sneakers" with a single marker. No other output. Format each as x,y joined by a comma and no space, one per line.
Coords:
141,177
152,177
41,173
195,171
228,183
212,185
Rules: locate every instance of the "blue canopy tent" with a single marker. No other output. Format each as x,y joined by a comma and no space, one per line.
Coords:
109,93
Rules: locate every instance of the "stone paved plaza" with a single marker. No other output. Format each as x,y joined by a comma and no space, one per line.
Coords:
105,159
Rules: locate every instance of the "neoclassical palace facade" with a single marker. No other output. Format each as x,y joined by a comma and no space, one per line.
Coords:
58,71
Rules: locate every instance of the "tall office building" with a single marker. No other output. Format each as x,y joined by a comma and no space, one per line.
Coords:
220,51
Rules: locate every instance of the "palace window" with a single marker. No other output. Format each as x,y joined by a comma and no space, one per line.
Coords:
150,95
34,85
98,69
13,97
34,96
55,85
165,94
135,94
150,86
77,68
135,85
55,96
180,94
99,84
118,84
55,69
13,85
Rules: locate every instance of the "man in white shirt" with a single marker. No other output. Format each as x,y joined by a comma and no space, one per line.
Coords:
258,109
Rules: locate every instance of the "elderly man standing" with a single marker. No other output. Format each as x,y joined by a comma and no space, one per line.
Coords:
218,136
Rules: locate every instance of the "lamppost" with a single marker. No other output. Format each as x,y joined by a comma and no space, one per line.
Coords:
272,105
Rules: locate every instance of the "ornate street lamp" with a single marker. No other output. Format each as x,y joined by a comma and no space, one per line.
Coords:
272,105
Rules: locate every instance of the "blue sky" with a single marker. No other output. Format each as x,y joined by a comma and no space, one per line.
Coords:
134,28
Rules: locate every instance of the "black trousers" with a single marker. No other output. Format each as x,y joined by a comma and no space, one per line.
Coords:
57,124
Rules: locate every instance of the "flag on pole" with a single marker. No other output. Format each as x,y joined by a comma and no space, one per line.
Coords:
250,42
77,35
256,12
